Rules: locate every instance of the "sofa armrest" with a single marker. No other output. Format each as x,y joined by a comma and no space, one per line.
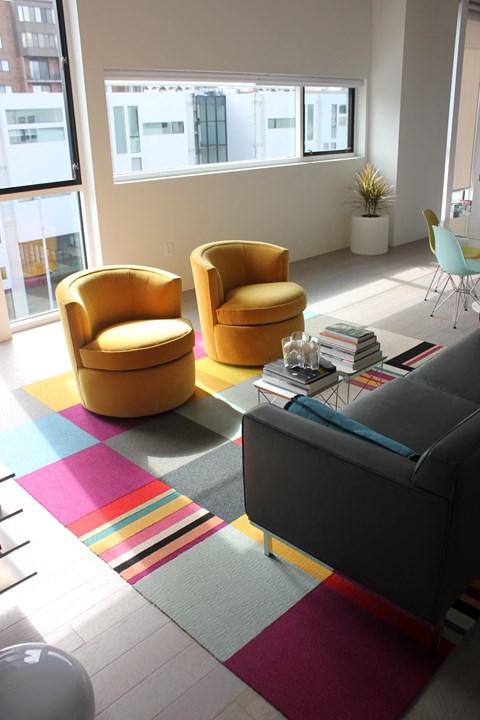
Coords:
346,502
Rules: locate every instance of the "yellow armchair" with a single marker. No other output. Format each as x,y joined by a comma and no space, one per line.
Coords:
131,351
245,301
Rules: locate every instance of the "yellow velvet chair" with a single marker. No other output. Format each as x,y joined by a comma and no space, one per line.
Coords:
245,301
130,349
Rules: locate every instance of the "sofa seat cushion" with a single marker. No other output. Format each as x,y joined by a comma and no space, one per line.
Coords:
414,414
262,304
451,370
139,344
321,413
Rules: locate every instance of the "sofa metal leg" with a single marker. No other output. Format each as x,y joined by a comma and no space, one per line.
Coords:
437,636
267,544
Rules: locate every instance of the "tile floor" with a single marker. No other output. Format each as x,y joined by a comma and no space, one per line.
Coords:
141,664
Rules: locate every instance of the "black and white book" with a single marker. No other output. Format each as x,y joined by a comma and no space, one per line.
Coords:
300,388
298,375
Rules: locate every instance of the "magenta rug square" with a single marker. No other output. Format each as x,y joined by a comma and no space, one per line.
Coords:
343,661
100,427
83,482
199,349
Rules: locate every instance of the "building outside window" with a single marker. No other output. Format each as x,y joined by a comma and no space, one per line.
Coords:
180,124
41,237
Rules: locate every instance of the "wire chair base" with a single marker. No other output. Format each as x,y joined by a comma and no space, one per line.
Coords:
463,289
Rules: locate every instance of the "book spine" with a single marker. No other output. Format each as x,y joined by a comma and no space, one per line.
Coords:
301,389
344,342
332,352
361,364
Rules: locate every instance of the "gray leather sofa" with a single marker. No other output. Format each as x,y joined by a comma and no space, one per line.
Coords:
408,530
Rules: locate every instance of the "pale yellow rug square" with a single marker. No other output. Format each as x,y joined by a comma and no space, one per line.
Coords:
215,377
57,393
293,556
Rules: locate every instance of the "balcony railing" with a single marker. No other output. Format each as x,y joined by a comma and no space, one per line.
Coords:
35,77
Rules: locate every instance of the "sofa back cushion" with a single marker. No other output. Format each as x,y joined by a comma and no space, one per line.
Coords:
414,414
453,369
321,413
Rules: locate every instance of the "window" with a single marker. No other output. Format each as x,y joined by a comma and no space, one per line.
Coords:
282,123
39,70
177,123
27,13
330,122
210,118
41,230
4,66
120,130
34,115
46,135
38,40
134,132
163,128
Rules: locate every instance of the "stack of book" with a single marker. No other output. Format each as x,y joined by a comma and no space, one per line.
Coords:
300,380
349,347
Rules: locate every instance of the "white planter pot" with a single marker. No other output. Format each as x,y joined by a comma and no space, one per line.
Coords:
369,235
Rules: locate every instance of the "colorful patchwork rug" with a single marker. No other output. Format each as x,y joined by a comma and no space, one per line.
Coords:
160,499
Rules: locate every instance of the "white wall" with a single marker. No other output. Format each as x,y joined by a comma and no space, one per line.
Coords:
412,57
303,207
469,97
426,87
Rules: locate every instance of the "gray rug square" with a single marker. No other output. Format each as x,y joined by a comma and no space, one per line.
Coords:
214,481
19,407
165,443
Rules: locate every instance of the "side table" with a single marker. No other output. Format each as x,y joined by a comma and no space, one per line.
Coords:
371,374
271,392
331,394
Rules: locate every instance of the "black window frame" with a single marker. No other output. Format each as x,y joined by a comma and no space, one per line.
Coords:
350,125
69,119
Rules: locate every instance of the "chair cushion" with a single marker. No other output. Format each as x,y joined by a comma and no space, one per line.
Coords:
139,344
262,303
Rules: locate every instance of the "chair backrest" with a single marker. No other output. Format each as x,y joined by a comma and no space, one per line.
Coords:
246,262
431,219
112,294
449,252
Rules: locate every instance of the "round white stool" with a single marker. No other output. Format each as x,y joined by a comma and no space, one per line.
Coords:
42,682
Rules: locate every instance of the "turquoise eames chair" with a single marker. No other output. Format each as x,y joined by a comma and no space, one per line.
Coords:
459,271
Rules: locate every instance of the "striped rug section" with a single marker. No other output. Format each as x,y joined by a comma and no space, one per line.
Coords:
416,356
397,366
372,379
144,529
463,614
